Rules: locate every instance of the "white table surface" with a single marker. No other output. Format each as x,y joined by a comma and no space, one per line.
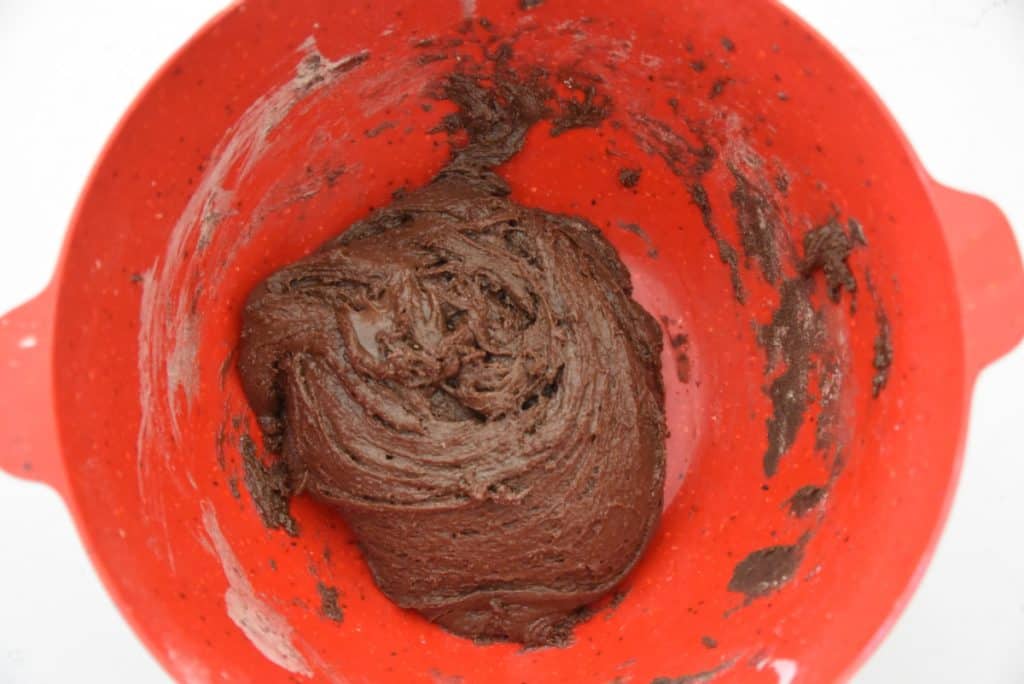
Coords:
952,71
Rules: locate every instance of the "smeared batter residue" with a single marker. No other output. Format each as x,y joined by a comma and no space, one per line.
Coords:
766,570
329,606
882,360
635,229
831,381
170,335
759,223
270,487
827,248
806,499
793,335
265,628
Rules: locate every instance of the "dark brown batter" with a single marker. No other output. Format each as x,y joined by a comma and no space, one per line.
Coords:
468,381
765,571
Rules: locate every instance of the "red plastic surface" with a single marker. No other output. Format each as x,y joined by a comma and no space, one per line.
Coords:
989,274
28,433
250,148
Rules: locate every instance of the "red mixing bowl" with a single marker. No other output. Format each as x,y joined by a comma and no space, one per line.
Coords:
281,123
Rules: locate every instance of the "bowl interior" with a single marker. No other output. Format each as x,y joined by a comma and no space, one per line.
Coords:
799,505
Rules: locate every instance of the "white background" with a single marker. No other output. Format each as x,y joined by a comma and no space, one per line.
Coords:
952,71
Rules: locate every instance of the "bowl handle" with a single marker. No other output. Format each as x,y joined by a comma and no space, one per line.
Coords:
989,274
29,447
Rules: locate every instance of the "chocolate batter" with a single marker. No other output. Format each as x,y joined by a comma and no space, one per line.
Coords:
763,572
469,383
827,248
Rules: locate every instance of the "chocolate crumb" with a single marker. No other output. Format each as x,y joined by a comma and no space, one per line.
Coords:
629,178
728,44
530,4
708,642
718,87
826,249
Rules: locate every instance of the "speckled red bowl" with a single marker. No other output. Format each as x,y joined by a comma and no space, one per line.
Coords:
262,137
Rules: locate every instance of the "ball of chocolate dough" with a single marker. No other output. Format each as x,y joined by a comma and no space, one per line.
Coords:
469,383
